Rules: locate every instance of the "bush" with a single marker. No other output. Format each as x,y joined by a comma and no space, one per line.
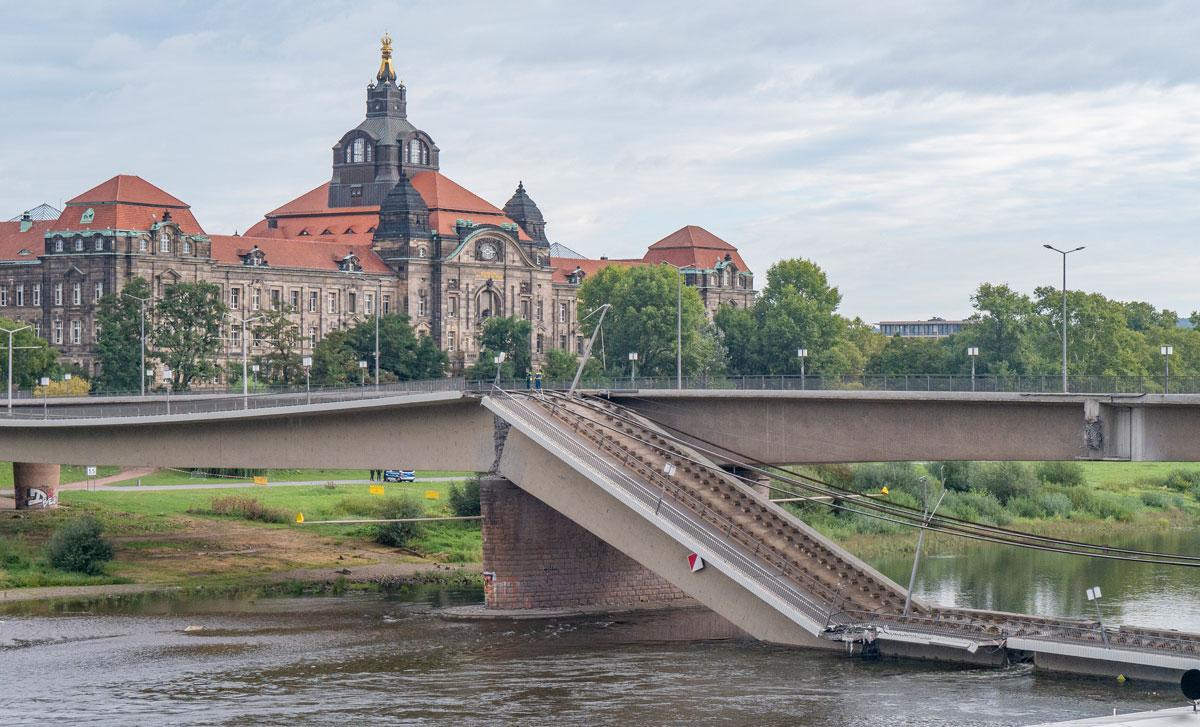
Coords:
78,547
247,508
1180,480
1005,480
1055,504
76,386
957,475
399,534
465,501
977,506
1063,473
902,476
1027,506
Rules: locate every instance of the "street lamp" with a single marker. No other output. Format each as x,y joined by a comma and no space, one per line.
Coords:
633,359
362,373
142,327
1166,352
12,332
802,353
306,362
973,351
245,357
254,368
498,359
1064,254
1093,595
45,384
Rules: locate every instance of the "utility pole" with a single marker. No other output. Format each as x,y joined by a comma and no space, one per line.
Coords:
925,520
1064,254
245,357
973,351
378,302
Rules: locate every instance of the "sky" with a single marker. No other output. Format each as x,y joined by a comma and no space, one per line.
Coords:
912,150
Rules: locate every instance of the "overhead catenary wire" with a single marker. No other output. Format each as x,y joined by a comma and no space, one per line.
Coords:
911,517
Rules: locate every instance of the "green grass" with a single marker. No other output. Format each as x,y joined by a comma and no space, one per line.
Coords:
70,473
177,477
23,565
1117,475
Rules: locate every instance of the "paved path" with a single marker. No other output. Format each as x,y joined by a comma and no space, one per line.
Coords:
231,485
130,474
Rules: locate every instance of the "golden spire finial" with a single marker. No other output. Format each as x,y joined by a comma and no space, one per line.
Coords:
387,72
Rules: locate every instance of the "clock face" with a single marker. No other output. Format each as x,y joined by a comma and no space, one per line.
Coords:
488,251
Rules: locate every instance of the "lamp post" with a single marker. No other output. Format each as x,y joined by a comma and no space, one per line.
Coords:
498,359
1166,354
973,351
633,359
254,368
802,353
1064,254
925,520
362,373
142,328
245,357
378,300
12,332
1093,595
45,384
306,362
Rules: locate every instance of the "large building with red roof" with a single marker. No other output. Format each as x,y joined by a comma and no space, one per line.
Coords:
389,232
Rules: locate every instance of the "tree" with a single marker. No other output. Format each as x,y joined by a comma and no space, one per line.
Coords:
909,356
32,356
187,331
507,335
282,363
561,365
643,319
403,355
334,361
1008,331
119,347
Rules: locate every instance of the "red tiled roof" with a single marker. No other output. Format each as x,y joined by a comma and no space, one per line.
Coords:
13,241
126,202
304,253
447,200
695,247
564,266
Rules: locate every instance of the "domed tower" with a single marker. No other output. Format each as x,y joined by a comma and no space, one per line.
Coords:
403,222
524,211
370,158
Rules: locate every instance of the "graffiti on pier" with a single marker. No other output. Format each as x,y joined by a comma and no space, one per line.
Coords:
35,497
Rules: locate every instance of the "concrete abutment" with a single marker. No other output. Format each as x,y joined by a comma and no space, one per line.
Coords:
35,485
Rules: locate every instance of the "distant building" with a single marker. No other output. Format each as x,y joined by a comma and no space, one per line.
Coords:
933,328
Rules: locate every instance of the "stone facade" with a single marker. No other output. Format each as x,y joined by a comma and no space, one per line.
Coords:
534,557
387,232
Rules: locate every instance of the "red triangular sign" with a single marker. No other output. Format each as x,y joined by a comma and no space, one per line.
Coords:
695,562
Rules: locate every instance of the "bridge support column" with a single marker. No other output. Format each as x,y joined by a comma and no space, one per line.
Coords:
35,485
534,557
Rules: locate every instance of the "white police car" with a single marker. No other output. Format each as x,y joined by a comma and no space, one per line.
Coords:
399,476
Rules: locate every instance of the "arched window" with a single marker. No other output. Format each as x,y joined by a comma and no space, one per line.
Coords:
358,151
99,243
79,244
418,152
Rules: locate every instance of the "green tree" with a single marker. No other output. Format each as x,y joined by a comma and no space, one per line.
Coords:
1009,332
281,364
1098,333
334,361
32,356
507,335
187,331
119,347
403,355
643,320
909,356
561,365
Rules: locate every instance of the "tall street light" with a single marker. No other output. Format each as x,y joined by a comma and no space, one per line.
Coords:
1064,254
973,351
12,332
306,362
1166,352
802,353
245,356
142,327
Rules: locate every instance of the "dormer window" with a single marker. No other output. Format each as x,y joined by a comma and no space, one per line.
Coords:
326,231
304,232
350,264
255,258
349,231
164,241
99,244
359,152
185,242
418,152
575,277
78,244
58,244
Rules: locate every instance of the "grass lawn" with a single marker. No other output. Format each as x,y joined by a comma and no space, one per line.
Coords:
1121,475
70,473
182,477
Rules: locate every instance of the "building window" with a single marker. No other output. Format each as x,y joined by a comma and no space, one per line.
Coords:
164,241
186,243
312,335
256,299
387,304
540,311
235,336
452,307
276,299
142,244
20,294
450,339
37,328
418,152
96,328
358,153
352,302
541,342
4,297
332,303
77,294
99,291
421,306
452,284
312,302
78,244
76,332
58,244
37,293
235,299
58,331
525,309
579,345
295,300
58,294
99,244
369,303
562,312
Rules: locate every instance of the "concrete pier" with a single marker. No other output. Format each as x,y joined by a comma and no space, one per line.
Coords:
35,485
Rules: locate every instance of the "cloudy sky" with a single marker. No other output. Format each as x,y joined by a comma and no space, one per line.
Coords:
911,149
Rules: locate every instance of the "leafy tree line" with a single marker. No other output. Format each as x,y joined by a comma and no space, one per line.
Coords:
186,330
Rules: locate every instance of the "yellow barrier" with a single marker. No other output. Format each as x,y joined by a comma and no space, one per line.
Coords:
259,480
376,489
431,495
